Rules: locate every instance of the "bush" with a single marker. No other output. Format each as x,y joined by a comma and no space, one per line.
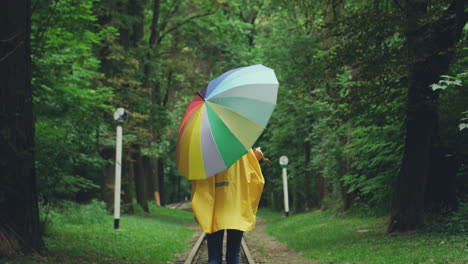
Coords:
458,221
454,223
67,212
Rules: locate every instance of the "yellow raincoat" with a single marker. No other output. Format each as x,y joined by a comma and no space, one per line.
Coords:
229,199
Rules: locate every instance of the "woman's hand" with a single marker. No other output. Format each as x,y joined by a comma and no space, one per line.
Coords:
260,156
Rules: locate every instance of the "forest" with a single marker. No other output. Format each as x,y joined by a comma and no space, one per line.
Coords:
372,106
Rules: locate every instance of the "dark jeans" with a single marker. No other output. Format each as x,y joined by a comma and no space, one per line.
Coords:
215,246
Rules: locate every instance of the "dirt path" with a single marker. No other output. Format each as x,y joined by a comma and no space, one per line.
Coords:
266,249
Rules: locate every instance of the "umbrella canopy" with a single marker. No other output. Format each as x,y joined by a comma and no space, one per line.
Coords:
224,120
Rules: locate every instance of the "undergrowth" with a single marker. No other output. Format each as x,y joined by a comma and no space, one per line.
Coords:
330,238
77,233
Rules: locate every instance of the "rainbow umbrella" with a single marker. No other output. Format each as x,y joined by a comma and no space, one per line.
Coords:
224,120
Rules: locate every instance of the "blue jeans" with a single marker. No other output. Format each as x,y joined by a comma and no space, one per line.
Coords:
215,246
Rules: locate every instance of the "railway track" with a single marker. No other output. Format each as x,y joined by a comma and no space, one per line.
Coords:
199,252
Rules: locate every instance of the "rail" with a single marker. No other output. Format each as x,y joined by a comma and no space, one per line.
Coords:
199,252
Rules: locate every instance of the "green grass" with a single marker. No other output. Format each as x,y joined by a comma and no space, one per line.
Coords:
86,235
328,238
269,215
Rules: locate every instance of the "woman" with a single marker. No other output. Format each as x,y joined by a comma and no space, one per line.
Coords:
229,201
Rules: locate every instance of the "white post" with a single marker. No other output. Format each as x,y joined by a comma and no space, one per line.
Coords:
285,191
118,170
284,164
120,116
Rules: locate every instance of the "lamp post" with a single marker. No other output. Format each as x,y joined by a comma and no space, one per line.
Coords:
120,116
284,164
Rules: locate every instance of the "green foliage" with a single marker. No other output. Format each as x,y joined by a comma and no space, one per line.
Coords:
326,237
458,220
453,105
85,234
289,48
448,81
464,121
190,57
455,222
68,98
333,94
343,79
376,154
64,166
66,66
66,212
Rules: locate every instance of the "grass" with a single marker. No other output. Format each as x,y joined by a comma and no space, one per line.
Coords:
328,238
85,234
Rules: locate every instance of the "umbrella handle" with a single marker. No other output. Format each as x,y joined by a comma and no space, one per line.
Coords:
267,161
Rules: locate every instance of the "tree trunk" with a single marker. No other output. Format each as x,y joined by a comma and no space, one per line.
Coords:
427,65
19,221
249,14
137,9
162,192
348,197
141,183
408,202
154,90
177,196
127,185
294,194
130,35
441,188
322,190
307,175
107,191
148,175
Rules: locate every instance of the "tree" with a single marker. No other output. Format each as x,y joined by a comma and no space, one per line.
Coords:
69,100
372,57
166,21
19,224
392,50
441,25
120,55
286,45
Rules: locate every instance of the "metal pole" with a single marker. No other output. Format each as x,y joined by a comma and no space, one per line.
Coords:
118,170
285,191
